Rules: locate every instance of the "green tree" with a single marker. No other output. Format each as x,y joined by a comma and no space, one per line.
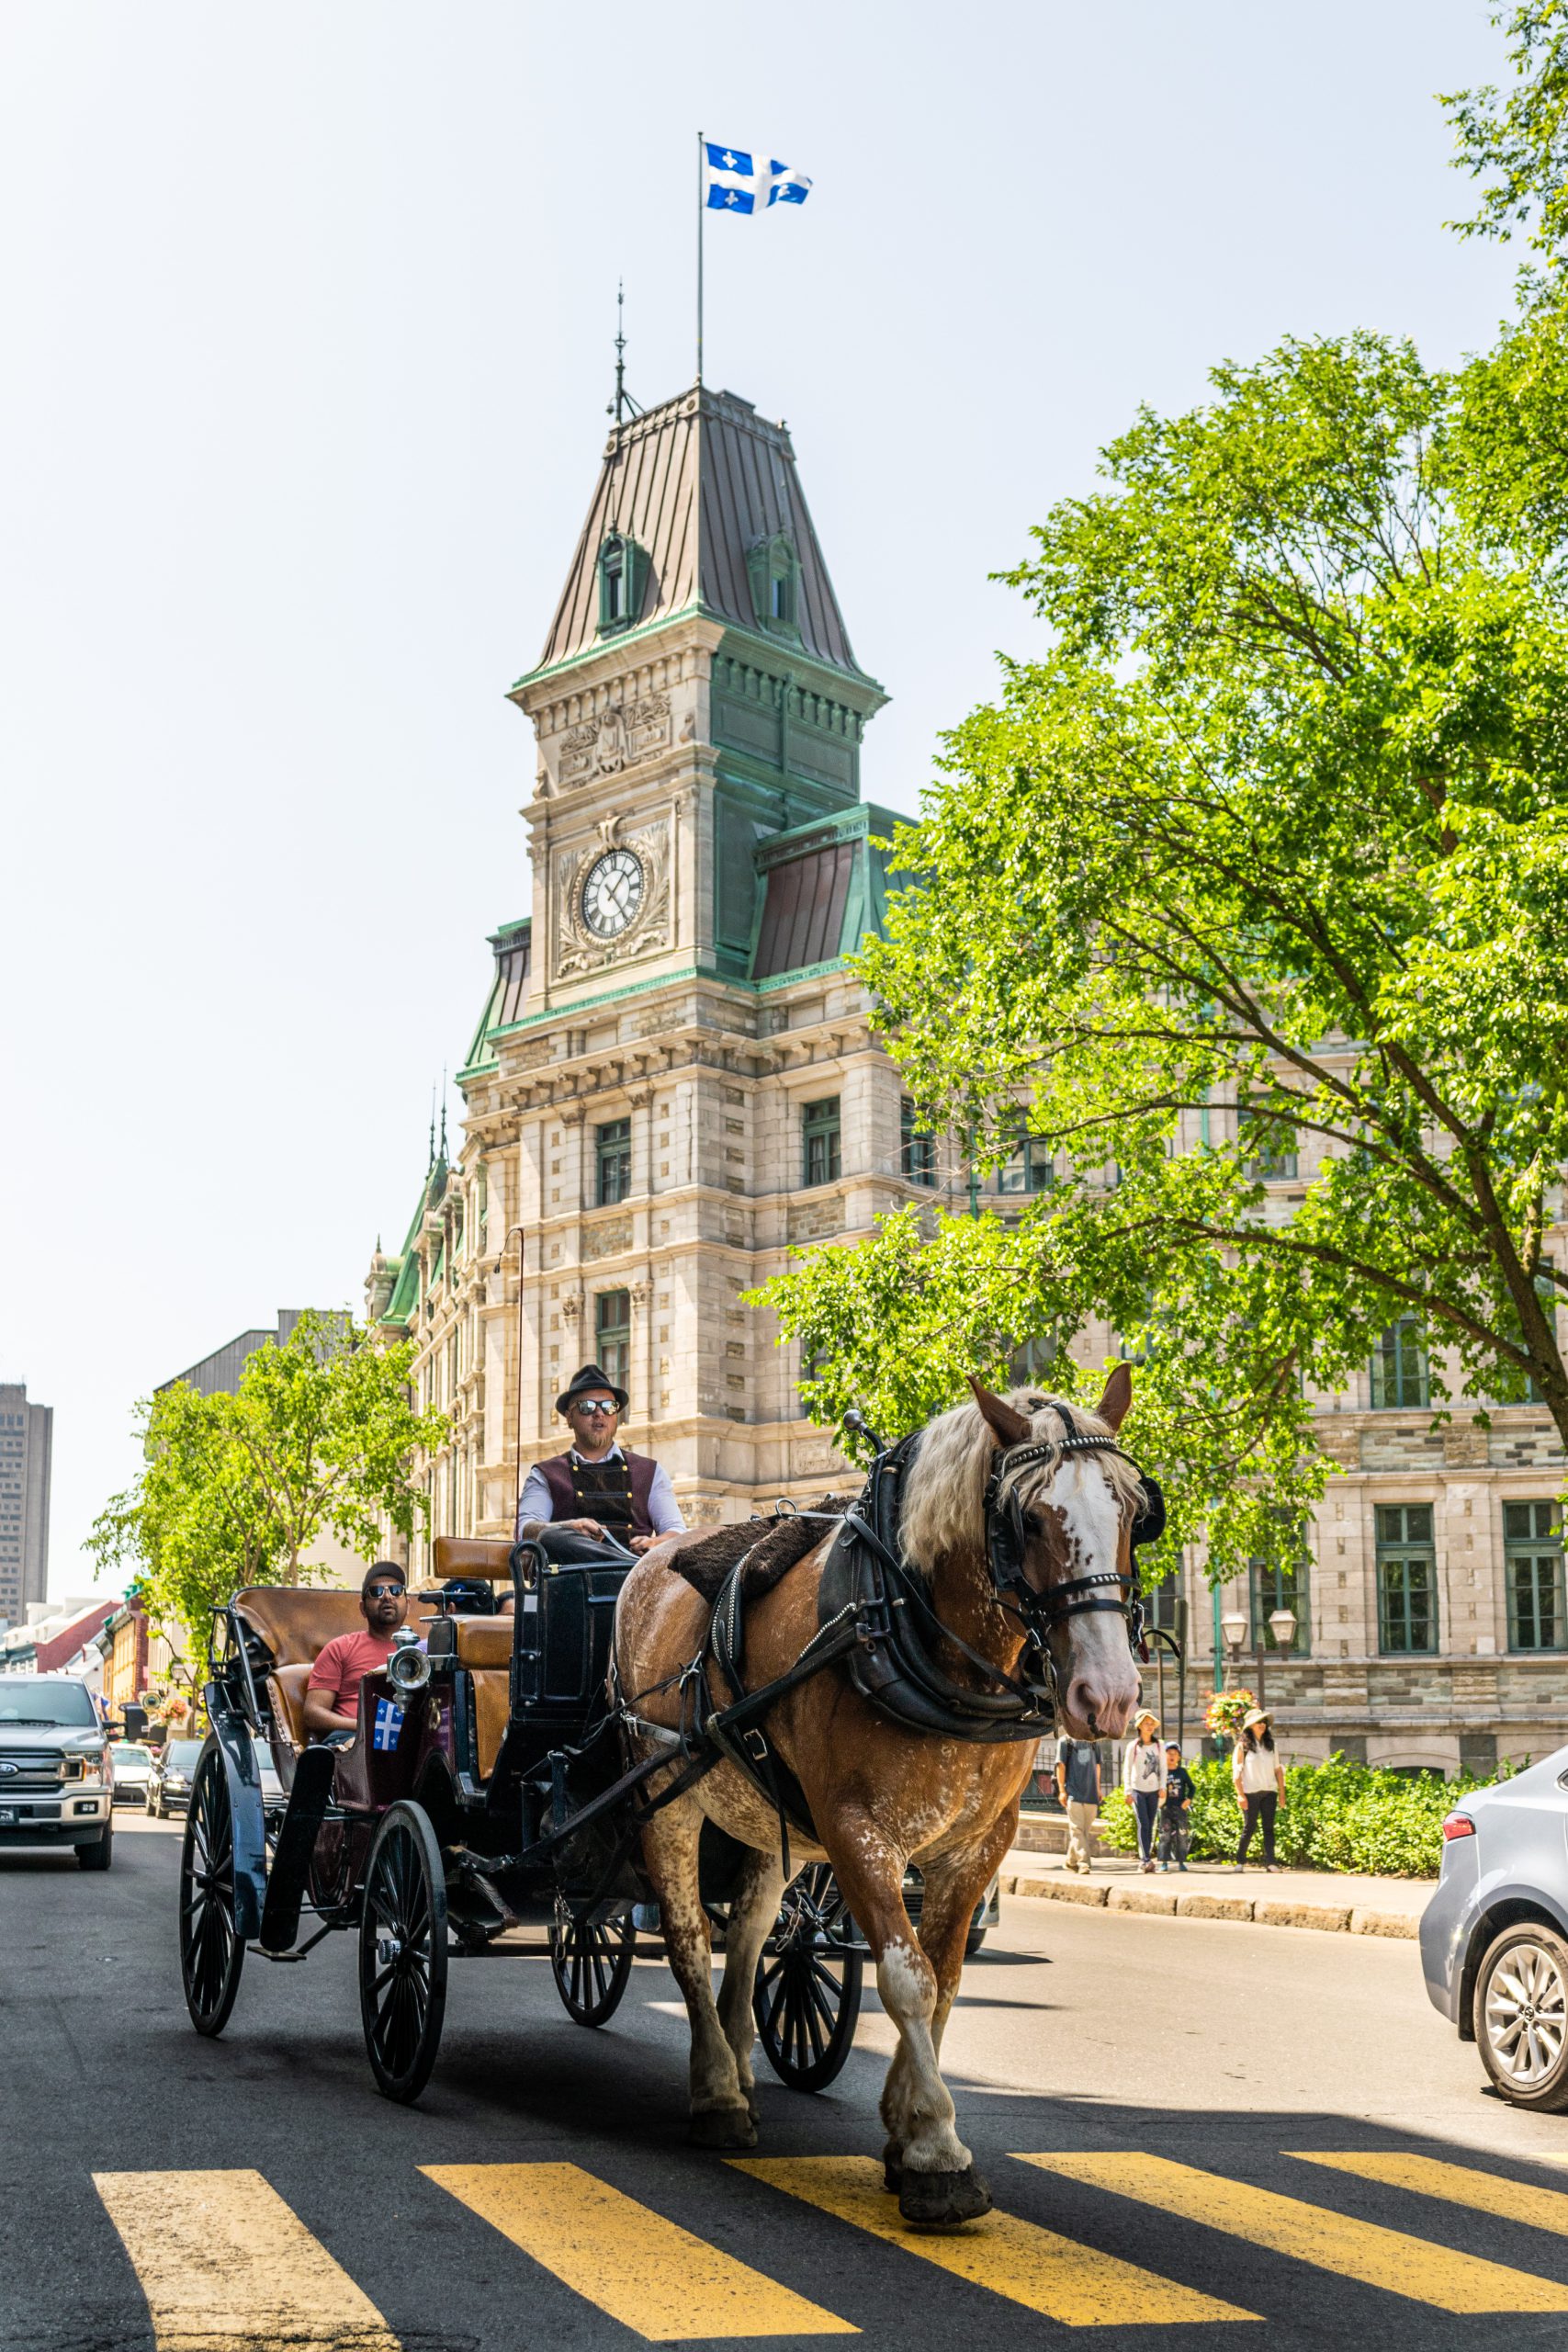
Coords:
1262,867
234,1490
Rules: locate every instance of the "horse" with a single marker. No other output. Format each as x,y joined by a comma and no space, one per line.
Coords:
882,1795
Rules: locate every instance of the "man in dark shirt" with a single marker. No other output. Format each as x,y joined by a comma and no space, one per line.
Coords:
1077,1786
1176,1813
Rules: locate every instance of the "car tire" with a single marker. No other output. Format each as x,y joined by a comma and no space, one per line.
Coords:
972,1941
97,1853
1520,2016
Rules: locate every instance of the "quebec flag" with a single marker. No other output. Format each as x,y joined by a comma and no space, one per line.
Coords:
388,1723
733,182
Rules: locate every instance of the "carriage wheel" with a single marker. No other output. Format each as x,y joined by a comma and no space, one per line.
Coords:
806,1996
403,1953
592,1963
211,1952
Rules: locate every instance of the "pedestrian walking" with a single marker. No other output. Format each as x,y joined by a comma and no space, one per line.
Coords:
1176,1810
1077,1786
1259,1778
1143,1776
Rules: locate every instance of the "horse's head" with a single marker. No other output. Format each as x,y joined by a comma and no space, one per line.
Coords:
1069,1509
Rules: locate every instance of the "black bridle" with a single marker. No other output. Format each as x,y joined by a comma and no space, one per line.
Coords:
1009,1527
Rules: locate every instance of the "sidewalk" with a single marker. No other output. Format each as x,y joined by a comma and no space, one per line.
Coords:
1322,1899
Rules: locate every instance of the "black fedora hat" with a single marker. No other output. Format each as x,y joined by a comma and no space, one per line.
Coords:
583,1383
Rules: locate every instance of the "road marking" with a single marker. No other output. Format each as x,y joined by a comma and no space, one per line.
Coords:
1378,2258
1066,2282
1484,2192
227,2267
649,2273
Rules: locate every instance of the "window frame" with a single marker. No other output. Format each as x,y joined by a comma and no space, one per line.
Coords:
1534,1547
1030,1167
611,1163
1401,1549
916,1146
612,1341
1286,1585
821,1124
1417,1373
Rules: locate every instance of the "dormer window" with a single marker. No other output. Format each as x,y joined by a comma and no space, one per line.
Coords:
774,568
623,575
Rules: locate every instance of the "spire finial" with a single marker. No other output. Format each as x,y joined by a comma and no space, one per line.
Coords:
444,1114
624,402
432,1161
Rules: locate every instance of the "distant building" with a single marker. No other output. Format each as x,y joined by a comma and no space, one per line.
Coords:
218,1373
60,1637
26,1445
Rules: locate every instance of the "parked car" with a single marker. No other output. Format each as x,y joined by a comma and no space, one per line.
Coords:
1494,1935
56,1777
132,1771
168,1785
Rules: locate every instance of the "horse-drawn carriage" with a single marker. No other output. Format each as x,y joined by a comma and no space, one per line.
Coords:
469,1816
862,1688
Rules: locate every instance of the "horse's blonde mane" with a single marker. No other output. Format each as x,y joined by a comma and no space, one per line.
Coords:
943,1501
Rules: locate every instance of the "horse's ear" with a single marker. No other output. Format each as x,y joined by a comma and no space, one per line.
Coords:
1006,1426
1113,1406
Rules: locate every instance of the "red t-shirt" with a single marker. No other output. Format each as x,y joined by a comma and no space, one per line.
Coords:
343,1665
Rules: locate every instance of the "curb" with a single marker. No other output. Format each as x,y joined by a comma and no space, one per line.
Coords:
1330,1918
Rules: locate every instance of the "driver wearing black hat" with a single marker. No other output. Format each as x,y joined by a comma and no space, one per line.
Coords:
596,1485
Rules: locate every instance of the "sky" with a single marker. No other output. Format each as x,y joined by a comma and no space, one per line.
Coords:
309,317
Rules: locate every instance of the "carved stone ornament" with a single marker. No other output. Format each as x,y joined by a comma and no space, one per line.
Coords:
578,947
615,739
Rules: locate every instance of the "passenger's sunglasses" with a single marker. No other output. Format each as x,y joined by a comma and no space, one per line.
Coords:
598,1405
383,1591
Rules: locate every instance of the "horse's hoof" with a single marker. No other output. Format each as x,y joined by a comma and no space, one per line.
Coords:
722,2127
893,2168
941,2200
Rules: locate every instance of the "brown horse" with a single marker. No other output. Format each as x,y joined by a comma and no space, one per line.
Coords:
882,1796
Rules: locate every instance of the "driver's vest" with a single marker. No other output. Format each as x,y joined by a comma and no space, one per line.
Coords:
614,1492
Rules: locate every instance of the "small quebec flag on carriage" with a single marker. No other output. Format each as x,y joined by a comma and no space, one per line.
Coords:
387,1724
735,185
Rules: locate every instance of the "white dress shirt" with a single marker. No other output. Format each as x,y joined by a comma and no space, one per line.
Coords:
535,1502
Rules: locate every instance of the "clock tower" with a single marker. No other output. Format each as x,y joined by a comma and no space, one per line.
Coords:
674,1081
696,695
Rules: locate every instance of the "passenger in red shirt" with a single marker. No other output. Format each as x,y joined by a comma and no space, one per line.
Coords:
332,1695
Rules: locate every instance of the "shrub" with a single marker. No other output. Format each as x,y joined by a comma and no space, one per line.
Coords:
1336,1817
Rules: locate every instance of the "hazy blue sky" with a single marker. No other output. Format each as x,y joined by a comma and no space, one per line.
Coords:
308,315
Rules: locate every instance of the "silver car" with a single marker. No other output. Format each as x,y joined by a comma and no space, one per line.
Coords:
1494,1935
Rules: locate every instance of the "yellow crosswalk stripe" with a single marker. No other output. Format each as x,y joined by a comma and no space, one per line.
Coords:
1484,2192
1352,2249
227,2267
649,2273
1066,2282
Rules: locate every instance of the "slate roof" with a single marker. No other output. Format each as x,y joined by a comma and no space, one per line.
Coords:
696,482
824,888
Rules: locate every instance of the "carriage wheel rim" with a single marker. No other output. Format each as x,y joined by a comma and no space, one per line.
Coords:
591,1960
401,1993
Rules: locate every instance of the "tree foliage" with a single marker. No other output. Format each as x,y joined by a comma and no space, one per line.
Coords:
1262,866
235,1490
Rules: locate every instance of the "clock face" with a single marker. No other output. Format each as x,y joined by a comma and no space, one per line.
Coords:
612,893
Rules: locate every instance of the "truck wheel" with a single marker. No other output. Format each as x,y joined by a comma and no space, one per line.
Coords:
99,1853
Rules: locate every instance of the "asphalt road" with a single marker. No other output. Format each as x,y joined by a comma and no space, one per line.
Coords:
1182,2066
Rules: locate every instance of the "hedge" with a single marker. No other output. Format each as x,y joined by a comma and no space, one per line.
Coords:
1336,1817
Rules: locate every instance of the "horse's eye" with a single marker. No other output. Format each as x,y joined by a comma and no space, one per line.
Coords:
1032,1523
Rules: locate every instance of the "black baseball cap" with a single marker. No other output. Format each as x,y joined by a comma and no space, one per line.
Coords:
382,1568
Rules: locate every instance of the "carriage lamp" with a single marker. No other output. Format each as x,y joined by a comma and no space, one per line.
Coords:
1233,1625
1283,1625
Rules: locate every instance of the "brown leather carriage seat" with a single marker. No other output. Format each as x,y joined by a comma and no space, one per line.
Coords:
297,1622
474,1556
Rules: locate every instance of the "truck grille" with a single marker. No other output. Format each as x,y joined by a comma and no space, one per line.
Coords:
35,1768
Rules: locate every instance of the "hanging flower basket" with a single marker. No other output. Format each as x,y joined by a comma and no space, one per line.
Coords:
1227,1709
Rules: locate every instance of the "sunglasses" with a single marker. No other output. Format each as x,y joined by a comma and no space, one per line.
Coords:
598,1405
383,1591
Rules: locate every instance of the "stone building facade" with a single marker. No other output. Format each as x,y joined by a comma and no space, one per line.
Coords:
674,1079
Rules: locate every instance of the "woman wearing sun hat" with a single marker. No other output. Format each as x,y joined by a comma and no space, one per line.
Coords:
1259,1778
1143,1776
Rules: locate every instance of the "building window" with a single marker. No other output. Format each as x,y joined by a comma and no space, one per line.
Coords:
1029,1170
774,570
623,574
1532,1545
1284,1585
917,1150
612,1161
1407,1578
1163,1608
822,1141
1399,1366
613,1335
1268,1146
811,1369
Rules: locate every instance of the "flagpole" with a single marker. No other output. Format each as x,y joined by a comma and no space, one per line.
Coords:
700,210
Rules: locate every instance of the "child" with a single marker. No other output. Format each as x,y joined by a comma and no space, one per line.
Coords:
1174,1826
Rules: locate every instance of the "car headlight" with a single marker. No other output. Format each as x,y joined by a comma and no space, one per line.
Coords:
92,1768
